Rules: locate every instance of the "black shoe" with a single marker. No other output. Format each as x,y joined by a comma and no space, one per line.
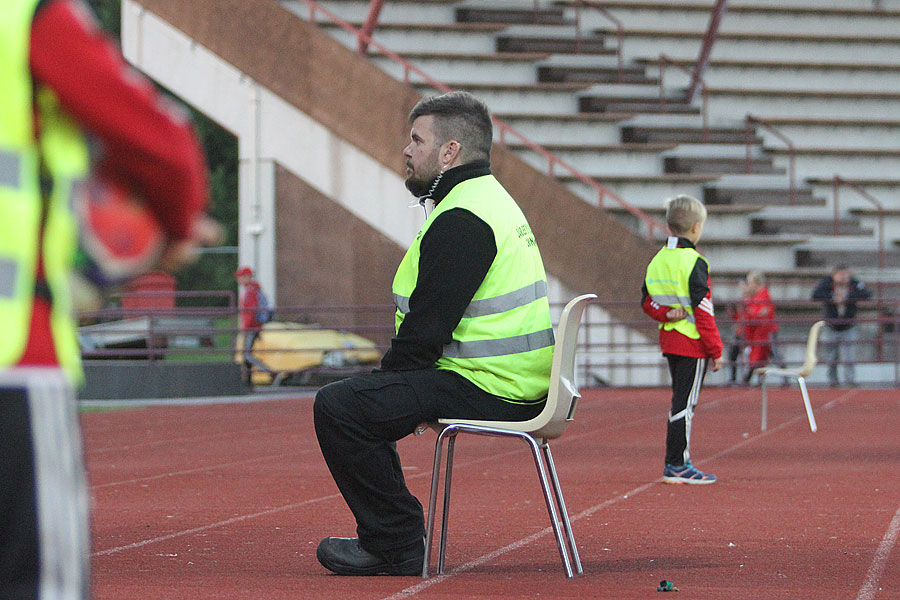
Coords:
345,556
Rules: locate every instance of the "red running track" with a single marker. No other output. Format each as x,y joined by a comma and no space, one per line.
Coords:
229,501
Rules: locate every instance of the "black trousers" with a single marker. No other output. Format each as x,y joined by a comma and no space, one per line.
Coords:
687,375
358,422
43,495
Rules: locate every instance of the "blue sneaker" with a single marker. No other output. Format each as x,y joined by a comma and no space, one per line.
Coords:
686,473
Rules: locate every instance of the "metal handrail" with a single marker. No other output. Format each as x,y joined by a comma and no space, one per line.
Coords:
652,224
704,110
620,31
749,120
368,27
709,39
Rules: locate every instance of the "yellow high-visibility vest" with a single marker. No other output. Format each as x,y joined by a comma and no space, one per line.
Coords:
61,157
504,341
667,282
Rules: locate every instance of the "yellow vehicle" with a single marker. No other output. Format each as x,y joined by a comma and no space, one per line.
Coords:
302,354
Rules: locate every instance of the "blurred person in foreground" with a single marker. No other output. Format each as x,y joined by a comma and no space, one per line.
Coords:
63,83
757,317
473,337
839,293
676,293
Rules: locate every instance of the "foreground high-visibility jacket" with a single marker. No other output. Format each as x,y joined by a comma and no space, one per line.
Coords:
59,159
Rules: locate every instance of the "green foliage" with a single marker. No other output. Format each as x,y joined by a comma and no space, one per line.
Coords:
213,271
109,13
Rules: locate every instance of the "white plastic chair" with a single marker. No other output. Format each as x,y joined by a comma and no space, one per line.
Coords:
799,374
549,424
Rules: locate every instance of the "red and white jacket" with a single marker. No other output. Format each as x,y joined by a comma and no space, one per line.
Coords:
673,342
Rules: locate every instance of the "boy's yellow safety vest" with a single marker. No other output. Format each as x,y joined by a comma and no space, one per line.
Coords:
668,283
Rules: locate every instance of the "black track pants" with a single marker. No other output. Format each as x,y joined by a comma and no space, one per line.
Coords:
687,378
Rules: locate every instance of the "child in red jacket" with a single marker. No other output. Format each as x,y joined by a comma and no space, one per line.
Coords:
676,293
757,321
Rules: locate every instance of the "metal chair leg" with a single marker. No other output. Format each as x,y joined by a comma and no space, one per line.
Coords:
432,500
551,506
809,413
445,513
567,524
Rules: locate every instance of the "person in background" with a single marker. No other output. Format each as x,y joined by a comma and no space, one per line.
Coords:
62,82
839,293
676,292
757,317
473,338
249,304
736,346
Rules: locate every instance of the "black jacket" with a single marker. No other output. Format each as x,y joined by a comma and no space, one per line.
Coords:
833,317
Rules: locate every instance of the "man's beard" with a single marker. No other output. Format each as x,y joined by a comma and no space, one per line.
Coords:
420,185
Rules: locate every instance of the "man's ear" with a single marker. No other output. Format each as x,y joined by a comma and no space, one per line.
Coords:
449,154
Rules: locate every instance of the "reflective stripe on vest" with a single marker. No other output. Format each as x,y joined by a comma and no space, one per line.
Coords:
510,345
491,306
62,153
10,169
673,300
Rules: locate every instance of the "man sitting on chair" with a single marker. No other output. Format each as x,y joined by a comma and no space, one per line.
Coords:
473,337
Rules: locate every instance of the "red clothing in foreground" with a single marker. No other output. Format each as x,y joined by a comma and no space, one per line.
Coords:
143,144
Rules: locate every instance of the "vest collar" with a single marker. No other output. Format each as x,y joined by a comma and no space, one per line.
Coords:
448,180
679,242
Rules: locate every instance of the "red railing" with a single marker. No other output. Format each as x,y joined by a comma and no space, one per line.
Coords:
749,131
839,181
368,27
663,101
652,225
709,40
620,31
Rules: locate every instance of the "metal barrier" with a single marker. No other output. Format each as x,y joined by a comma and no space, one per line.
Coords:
612,352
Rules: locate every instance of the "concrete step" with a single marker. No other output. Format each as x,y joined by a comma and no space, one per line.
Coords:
688,135
716,195
607,74
827,257
496,14
809,226
639,104
712,164
575,128
554,45
596,160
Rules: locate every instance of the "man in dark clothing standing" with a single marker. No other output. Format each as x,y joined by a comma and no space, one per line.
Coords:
839,293
473,337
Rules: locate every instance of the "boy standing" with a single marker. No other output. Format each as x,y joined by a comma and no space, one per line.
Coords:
676,293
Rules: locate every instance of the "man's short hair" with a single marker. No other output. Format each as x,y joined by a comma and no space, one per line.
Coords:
682,212
462,117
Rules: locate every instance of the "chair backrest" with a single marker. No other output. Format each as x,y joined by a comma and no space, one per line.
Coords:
563,392
811,343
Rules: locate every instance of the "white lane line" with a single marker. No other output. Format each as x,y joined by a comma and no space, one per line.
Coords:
415,589
876,569
176,534
214,467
